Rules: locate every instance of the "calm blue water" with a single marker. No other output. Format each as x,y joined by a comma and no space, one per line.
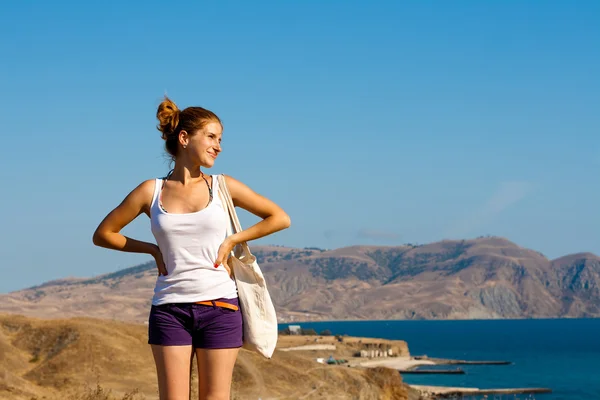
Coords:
560,354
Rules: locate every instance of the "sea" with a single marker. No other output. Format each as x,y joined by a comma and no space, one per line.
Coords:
560,354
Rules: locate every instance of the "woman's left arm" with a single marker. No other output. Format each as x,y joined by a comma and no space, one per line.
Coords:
274,219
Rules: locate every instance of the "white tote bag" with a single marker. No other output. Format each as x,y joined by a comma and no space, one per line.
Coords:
258,312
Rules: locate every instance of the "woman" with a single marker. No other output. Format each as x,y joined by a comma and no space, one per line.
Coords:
195,305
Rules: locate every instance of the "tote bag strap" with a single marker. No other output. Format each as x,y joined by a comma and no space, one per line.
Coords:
235,222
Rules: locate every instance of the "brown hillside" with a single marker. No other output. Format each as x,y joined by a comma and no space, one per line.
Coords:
58,355
58,359
488,277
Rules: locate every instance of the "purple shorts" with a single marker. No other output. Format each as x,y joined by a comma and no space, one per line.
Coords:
204,327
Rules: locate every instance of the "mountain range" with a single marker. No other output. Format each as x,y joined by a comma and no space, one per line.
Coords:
487,277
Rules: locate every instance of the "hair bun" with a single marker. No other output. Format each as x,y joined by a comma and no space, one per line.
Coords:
168,117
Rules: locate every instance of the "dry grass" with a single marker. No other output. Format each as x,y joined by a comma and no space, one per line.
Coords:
91,393
99,393
89,359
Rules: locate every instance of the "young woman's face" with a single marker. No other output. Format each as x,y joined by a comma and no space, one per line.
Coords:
204,147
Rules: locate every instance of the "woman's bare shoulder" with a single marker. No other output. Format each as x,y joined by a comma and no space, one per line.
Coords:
229,179
146,186
142,194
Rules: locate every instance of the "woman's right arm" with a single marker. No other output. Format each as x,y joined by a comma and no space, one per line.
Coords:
108,232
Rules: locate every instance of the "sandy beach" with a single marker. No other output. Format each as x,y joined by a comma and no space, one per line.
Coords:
398,363
430,390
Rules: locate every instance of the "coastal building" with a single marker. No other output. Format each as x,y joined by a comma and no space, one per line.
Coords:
295,329
375,350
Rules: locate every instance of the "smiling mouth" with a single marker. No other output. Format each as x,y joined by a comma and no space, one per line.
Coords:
213,155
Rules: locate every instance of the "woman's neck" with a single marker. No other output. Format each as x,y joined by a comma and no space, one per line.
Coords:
186,174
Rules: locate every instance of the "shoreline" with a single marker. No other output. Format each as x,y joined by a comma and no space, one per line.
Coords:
404,364
427,390
436,320
397,363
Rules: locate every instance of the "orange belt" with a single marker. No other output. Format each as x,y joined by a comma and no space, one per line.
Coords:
218,304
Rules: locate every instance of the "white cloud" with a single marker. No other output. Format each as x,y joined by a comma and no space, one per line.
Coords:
506,195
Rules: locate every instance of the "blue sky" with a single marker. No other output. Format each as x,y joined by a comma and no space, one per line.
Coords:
370,123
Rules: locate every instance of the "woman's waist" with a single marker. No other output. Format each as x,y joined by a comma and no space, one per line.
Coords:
179,290
193,273
202,300
186,259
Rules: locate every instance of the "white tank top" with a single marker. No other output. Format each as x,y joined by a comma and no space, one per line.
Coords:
189,244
